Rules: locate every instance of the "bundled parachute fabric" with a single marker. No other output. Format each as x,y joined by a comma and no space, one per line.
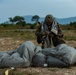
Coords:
39,60
29,54
54,62
13,60
21,57
68,54
62,52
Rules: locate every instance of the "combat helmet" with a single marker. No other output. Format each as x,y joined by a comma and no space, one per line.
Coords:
49,19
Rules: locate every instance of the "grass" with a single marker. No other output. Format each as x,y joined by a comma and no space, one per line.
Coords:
69,35
30,35
21,35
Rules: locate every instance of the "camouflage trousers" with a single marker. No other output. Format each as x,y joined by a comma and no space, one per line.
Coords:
55,40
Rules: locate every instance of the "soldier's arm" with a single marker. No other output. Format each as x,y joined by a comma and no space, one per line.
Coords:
38,30
60,34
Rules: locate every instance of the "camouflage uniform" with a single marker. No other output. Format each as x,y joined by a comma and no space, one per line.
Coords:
51,27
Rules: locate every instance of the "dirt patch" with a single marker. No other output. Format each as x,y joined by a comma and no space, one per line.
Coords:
49,71
11,44
71,43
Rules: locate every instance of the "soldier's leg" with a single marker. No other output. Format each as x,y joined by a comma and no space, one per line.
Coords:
57,41
39,38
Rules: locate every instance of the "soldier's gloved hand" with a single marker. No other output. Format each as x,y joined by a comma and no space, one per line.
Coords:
47,33
60,35
51,34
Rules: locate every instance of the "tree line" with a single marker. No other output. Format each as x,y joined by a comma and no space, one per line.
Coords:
71,26
19,21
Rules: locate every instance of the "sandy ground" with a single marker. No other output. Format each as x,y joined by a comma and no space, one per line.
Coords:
10,44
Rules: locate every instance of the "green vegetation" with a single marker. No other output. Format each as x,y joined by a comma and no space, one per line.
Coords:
69,34
29,34
18,34
18,22
35,18
23,25
71,26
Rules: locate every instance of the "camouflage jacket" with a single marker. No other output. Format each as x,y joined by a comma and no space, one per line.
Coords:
54,28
